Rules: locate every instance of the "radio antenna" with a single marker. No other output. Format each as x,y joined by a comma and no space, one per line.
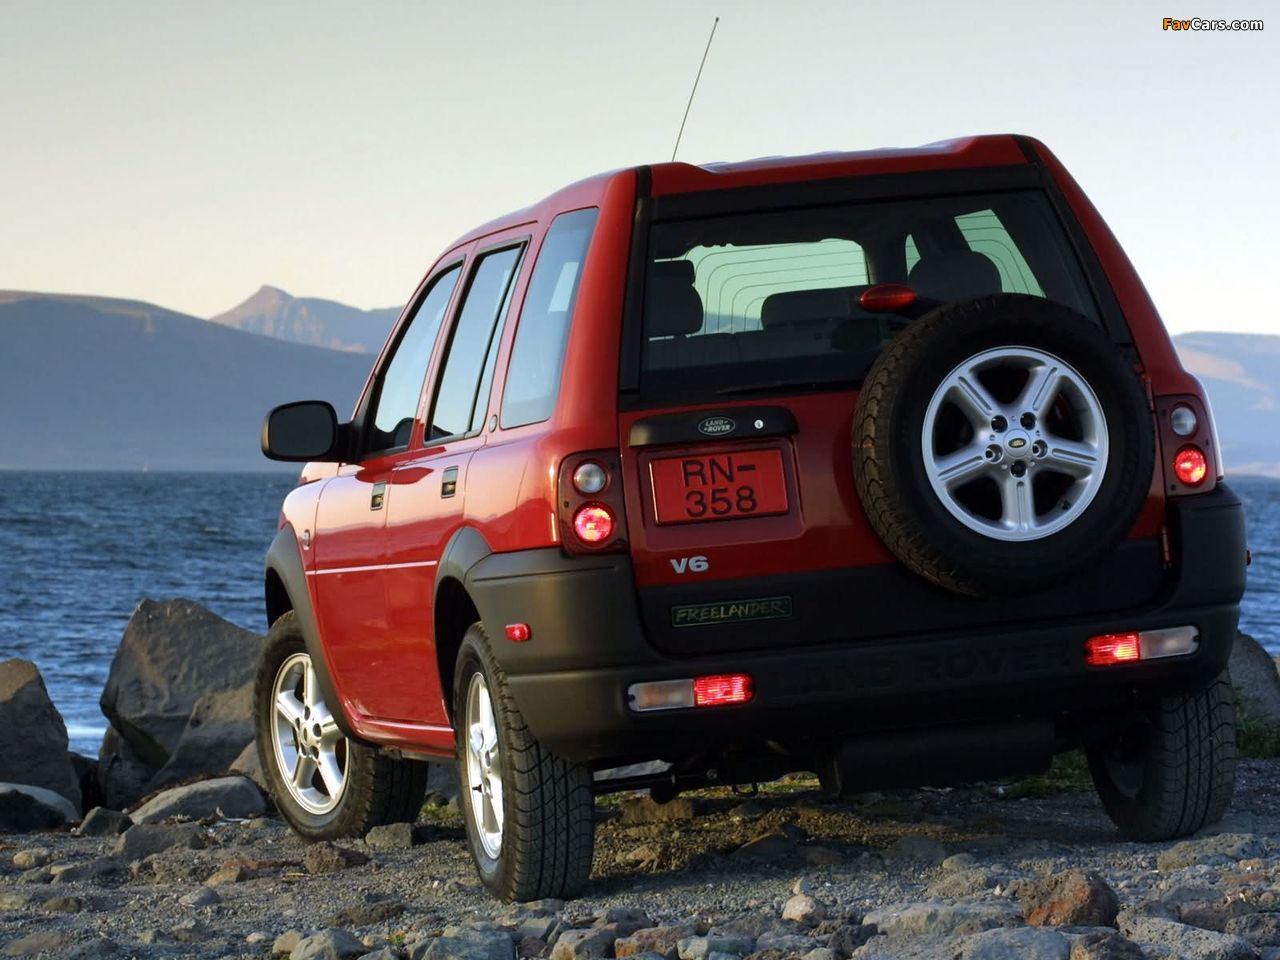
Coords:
685,118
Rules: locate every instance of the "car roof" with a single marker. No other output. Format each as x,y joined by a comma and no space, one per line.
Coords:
990,150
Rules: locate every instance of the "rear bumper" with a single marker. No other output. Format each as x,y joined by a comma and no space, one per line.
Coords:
589,645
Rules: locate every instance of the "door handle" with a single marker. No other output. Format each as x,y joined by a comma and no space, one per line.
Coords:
449,482
379,496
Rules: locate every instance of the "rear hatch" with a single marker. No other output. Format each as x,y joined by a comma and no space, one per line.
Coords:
751,338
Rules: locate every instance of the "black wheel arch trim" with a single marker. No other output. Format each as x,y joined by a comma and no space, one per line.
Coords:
285,561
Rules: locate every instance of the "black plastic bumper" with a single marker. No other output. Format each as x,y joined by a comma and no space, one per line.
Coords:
589,645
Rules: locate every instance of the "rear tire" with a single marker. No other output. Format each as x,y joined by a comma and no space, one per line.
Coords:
373,789
1172,772
528,813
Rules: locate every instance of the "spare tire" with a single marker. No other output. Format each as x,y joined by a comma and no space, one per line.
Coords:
1002,444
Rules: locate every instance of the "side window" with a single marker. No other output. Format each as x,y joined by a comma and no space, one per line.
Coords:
537,356
458,408
400,385
985,234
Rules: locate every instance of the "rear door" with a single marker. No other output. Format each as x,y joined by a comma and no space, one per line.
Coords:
746,529
429,487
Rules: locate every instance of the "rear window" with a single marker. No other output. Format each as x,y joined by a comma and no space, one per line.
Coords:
761,301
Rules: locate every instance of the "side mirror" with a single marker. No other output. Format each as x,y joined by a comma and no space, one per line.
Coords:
304,431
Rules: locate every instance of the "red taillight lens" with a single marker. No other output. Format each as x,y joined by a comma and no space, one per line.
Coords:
887,298
593,524
1190,466
518,632
1110,648
721,689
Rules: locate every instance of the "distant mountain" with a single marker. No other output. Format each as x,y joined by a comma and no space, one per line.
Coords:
97,383
1242,374
320,323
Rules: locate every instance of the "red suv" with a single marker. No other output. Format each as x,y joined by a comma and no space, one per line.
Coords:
879,465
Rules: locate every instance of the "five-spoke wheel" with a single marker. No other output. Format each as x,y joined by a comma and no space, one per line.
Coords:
308,746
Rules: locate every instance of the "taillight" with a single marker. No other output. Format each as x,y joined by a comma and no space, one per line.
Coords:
720,689
1112,648
1109,649
1190,466
590,509
717,690
1189,444
593,524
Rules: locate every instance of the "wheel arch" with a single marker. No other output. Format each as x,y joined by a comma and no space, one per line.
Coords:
453,608
285,586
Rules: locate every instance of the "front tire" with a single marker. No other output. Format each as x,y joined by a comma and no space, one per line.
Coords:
1171,772
324,784
528,813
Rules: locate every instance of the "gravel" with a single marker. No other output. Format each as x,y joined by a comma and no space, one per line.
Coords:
925,874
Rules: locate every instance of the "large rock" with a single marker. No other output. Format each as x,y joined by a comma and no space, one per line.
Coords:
33,748
217,732
122,774
1072,898
233,798
24,807
1254,674
1185,942
180,690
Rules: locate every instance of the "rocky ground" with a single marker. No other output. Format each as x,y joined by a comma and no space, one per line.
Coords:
981,872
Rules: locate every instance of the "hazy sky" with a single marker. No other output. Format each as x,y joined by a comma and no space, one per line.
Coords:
187,153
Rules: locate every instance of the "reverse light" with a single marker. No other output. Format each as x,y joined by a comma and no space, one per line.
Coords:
711,691
590,478
1190,466
1183,421
1109,649
593,524
887,298
721,689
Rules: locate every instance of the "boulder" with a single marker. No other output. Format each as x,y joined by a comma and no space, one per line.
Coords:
218,731
122,773
33,749
24,807
249,764
1254,675
101,822
232,798
173,653
1071,898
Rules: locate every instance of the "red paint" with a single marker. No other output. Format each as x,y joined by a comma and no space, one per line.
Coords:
376,619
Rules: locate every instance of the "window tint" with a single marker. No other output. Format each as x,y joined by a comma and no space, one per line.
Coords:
456,409
985,234
401,382
537,357
769,300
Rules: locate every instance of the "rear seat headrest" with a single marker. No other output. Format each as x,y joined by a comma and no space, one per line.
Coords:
801,306
672,307
951,276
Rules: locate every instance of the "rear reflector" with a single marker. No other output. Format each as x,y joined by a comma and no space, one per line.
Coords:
1109,649
721,689
518,632
713,691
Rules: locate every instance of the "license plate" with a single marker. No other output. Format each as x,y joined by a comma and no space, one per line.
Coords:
722,486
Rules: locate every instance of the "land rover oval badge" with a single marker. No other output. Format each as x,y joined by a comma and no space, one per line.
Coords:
716,426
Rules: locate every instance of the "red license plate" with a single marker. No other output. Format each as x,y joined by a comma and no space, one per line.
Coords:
722,486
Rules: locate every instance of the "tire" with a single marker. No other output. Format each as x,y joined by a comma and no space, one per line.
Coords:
375,788
545,834
904,406
1172,772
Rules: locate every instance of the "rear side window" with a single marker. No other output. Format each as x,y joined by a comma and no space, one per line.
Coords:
537,356
770,300
459,406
